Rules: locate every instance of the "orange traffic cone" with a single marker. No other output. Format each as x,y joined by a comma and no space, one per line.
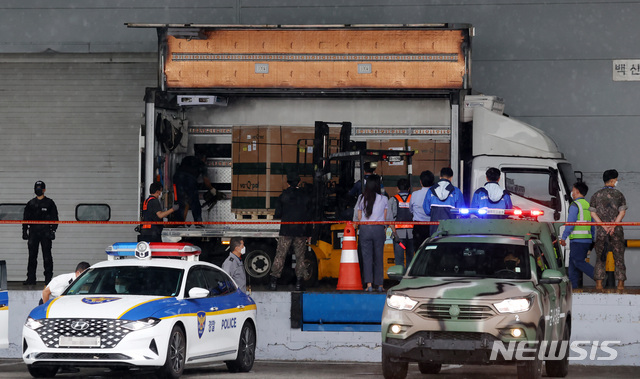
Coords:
349,276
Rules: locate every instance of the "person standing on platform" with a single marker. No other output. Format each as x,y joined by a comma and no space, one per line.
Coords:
421,232
372,206
152,211
609,205
294,205
398,210
581,237
441,198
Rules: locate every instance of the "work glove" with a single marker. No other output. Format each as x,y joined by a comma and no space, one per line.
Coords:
213,191
25,234
175,207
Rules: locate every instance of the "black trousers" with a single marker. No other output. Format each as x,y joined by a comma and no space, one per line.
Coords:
36,240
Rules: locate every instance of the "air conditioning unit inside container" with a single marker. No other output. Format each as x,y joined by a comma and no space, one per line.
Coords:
492,103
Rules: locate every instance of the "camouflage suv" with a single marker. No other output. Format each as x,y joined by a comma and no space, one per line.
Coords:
480,292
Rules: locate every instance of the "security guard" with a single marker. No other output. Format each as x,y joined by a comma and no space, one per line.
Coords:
39,208
152,211
233,264
581,237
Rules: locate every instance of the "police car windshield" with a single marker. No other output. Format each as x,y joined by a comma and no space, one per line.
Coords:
128,280
486,260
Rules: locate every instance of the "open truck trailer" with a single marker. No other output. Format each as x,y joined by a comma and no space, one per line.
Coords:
248,97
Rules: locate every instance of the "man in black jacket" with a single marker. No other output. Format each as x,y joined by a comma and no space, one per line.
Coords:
40,208
294,205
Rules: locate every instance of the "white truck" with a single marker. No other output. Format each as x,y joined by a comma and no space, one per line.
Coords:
401,87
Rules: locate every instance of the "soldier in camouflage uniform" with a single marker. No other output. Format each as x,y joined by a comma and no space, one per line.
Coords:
609,205
294,205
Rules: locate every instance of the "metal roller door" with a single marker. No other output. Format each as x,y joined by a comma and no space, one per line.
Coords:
72,121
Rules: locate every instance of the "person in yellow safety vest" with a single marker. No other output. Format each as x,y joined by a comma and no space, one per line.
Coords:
581,237
399,210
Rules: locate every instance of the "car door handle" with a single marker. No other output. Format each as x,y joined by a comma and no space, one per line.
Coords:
240,306
213,309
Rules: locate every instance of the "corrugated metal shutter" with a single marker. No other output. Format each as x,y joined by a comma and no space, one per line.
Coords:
72,121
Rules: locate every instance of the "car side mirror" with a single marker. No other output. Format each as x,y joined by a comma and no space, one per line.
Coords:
395,272
198,293
551,276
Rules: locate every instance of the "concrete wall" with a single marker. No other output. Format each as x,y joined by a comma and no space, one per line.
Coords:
596,317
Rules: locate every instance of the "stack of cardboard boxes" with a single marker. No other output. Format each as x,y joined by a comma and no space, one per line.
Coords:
428,155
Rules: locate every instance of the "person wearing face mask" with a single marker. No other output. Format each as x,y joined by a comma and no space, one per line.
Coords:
152,211
233,264
491,195
40,208
609,205
580,237
511,263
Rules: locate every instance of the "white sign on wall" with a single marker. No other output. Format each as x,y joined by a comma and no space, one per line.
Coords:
626,70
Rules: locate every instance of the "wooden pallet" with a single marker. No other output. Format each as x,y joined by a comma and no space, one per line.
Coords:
253,214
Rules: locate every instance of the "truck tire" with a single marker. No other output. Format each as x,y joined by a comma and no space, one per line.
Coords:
258,263
311,272
391,369
560,368
429,368
533,369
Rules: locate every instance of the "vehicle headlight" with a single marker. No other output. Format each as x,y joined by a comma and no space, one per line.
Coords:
142,324
517,305
33,324
401,302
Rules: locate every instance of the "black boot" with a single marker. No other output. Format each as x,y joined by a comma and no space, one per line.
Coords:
273,285
299,284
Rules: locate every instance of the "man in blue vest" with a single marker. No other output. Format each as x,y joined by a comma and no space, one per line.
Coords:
580,237
441,198
492,195
399,210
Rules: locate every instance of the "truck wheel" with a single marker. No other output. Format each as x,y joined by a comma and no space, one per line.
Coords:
429,368
533,369
393,370
258,263
311,272
560,368
42,371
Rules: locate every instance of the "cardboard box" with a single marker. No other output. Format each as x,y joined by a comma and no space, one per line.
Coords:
443,151
425,150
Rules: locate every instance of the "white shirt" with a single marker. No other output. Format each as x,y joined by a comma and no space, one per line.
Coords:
415,204
60,283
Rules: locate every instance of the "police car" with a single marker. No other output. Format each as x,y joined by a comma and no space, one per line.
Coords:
148,311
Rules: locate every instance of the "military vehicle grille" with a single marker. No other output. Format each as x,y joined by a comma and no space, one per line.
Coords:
454,312
110,331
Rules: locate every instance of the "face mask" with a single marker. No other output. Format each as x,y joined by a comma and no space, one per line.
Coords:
615,184
511,265
39,191
120,288
244,250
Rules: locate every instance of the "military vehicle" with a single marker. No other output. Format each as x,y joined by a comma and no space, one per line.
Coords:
481,291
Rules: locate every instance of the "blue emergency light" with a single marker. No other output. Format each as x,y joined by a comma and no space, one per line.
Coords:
497,212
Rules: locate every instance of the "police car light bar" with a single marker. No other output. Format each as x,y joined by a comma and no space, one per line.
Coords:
146,250
497,212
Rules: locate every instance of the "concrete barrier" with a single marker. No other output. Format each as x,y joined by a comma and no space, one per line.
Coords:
596,317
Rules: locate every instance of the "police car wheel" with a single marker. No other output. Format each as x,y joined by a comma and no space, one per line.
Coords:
393,370
246,350
176,351
42,371
429,368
